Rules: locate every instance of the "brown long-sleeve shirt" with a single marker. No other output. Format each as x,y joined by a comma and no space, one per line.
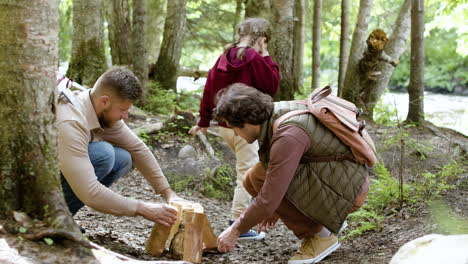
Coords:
288,145
77,126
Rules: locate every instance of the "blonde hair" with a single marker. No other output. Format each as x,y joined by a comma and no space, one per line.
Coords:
255,28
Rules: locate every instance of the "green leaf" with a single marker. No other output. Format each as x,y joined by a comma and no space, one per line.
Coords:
23,229
49,241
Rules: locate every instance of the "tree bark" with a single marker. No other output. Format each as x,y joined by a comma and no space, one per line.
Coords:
344,44
140,63
258,8
120,31
155,28
282,45
316,44
29,175
88,60
416,85
299,34
352,87
165,70
395,47
237,18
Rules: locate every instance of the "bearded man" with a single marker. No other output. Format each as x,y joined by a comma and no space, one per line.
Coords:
96,148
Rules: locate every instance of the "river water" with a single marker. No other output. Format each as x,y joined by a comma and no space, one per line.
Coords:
443,110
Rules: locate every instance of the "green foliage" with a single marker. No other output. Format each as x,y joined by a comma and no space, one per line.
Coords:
384,194
384,114
421,147
66,29
444,68
161,101
219,185
49,241
180,184
145,138
433,185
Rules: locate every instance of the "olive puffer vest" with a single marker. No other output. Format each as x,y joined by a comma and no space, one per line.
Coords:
323,191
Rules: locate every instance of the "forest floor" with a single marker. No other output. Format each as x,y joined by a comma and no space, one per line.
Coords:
128,235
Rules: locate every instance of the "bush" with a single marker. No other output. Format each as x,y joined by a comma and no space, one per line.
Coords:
161,101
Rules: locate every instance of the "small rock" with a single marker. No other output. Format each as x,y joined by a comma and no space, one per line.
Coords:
187,151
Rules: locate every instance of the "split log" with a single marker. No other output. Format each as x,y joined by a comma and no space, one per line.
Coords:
157,241
188,238
193,236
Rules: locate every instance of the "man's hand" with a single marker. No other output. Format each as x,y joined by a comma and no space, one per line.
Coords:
268,223
159,213
195,129
227,239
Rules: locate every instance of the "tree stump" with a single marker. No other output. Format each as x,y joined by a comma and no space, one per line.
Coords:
188,238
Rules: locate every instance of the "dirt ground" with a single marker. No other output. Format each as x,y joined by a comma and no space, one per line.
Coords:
128,235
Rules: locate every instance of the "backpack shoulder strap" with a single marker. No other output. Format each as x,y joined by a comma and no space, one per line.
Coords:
286,116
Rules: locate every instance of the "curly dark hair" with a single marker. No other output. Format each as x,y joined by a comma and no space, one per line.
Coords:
239,104
122,82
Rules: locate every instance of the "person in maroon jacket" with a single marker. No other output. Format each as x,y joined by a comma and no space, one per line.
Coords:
244,61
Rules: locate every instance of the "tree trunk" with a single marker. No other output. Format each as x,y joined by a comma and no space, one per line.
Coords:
237,18
155,27
282,45
416,85
344,44
140,63
120,31
165,70
299,28
351,86
395,47
258,8
29,175
88,60
316,44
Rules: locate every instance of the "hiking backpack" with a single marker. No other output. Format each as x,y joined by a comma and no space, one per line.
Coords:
342,118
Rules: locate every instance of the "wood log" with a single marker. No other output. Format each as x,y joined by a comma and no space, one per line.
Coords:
193,237
210,241
188,238
157,240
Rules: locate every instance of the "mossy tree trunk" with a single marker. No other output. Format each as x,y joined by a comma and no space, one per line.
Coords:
281,46
416,85
351,86
258,8
29,175
344,44
165,69
237,17
120,31
140,62
88,59
316,29
156,10
299,35
395,47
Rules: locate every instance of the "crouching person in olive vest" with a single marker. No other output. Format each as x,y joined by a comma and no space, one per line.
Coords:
296,180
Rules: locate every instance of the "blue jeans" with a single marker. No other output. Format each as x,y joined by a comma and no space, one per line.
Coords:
109,162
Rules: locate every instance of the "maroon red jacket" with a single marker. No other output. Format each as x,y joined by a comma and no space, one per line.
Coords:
253,70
